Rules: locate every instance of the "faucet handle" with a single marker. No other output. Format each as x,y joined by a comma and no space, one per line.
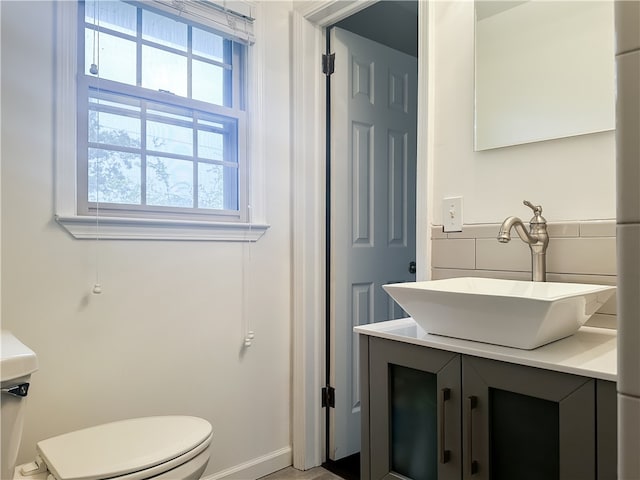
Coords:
537,209
537,213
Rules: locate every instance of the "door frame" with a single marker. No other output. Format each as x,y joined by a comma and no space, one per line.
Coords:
308,152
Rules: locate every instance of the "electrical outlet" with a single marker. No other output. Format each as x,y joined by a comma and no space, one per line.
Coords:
452,214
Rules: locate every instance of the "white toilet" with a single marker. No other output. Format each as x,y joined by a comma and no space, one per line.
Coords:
165,447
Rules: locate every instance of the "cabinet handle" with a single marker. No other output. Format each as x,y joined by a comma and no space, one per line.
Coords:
445,394
472,403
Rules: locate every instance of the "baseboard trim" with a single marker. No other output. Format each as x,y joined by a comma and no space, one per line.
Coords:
257,467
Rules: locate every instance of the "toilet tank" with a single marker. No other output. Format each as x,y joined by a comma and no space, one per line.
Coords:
17,363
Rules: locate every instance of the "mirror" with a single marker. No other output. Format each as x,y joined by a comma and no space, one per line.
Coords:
543,70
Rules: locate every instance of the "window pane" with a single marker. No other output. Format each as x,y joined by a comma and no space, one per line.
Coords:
164,137
208,82
164,30
210,186
207,44
164,71
112,129
117,16
113,100
116,57
114,177
167,112
231,188
211,123
217,186
160,150
169,182
211,145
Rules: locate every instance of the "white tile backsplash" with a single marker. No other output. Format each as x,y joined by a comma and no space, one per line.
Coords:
579,252
604,228
627,137
569,229
437,232
454,253
627,26
629,286
595,255
628,434
442,273
489,230
602,321
576,255
512,256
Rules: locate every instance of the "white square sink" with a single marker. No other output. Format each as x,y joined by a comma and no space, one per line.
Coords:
512,313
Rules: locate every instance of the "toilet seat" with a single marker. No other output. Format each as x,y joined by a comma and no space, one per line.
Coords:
132,449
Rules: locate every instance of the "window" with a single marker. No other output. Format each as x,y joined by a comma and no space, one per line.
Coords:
161,135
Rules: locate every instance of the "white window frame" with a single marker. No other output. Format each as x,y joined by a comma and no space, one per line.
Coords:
136,228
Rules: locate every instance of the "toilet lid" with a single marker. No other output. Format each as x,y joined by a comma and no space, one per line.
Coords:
120,448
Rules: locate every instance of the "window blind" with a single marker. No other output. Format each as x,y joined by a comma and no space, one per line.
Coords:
232,18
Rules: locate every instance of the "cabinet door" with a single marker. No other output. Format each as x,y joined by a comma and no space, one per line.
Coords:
414,412
526,423
607,428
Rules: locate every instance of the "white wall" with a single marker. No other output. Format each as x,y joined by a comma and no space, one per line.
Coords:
572,178
166,335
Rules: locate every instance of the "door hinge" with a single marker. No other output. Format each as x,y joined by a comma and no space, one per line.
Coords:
329,397
328,63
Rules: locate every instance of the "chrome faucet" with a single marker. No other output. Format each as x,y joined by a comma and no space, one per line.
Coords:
536,237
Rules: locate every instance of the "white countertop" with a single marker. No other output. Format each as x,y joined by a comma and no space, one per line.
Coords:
590,352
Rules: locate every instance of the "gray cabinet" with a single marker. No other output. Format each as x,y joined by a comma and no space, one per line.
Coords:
431,414
527,423
607,430
413,415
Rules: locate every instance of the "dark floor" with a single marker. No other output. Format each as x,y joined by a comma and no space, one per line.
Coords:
290,473
347,468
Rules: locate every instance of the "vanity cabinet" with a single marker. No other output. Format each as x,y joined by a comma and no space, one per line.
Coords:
414,423
433,414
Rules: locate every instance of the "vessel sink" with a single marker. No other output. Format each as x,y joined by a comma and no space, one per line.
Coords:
512,313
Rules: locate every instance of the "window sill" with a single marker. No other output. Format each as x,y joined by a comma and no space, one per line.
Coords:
119,228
